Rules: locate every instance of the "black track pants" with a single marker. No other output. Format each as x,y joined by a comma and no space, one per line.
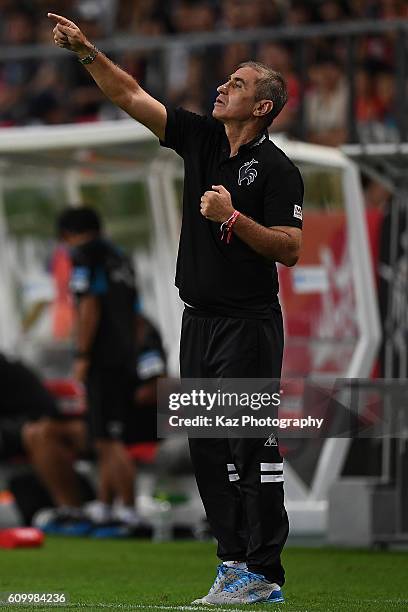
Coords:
240,480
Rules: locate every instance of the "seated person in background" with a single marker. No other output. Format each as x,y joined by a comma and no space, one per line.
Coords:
31,425
99,518
140,432
150,365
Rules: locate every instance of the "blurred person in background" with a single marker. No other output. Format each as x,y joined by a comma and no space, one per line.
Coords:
32,426
326,104
139,435
150,18
140,17
385,91
19,26
376,195
227,305
195,95
70,516
278,56
24,399
231,56
189,72
166,74
367,106
103,284
5,7
18,29
330,11
299,13
102,13
242,15
359,9
391,9
378,51
47,93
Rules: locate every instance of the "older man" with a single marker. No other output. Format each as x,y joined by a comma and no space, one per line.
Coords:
242,212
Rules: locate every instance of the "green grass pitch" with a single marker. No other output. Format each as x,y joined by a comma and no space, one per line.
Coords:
134,575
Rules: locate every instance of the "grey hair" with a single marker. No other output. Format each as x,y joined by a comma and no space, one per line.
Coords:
270,86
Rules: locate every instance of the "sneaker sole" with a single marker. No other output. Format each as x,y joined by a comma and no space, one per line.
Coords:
202,602
272,601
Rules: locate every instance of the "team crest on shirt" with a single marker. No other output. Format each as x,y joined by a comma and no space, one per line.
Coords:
247,172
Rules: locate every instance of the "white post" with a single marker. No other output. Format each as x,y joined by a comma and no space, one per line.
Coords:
9,326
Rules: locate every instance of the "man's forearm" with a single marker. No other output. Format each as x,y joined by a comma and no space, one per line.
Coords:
280,243
115,83
270,243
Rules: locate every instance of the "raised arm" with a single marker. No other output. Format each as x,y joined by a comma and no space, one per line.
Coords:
122,89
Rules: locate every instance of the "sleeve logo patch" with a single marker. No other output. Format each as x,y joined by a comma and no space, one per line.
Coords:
150,364
80,279
297,212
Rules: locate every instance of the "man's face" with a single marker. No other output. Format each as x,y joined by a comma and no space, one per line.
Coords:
236,97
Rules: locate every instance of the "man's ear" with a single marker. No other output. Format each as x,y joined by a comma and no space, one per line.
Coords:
263,108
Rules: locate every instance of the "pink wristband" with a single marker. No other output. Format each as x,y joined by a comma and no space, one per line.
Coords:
226,227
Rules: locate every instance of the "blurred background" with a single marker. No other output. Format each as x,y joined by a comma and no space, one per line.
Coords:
182,49
62,143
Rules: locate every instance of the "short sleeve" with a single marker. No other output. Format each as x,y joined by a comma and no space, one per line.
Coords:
151,359
185,130
283,204
87,277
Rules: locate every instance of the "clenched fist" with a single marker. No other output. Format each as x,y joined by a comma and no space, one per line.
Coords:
216,205
67,35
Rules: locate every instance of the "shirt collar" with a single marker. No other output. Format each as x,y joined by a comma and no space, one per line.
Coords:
255,142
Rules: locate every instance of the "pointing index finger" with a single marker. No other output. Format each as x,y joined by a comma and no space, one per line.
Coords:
60,19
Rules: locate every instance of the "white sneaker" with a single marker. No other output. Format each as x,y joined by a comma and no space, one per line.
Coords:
226,574
98,512
127,515
249,588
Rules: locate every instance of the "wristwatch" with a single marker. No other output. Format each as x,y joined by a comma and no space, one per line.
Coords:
89,58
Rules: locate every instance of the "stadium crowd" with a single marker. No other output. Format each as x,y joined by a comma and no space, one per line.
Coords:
58,90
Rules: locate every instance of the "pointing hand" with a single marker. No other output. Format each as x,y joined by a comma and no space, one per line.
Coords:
67,35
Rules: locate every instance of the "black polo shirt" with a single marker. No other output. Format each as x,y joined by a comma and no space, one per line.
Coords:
230,279
101,269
